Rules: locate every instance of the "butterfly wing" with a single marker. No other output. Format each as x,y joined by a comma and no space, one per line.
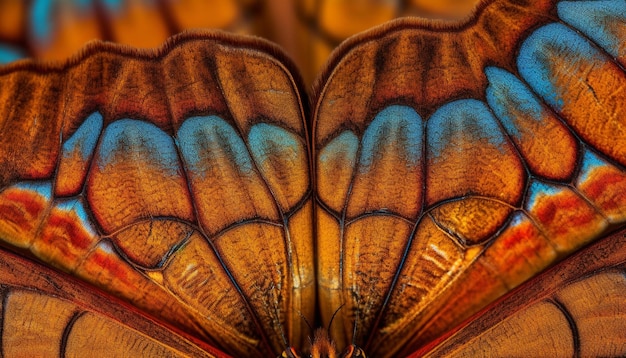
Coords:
574,309
397,173
324,25
176,180
45,312
455,160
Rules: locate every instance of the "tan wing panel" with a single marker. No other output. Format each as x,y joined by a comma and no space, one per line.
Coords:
575,309
48,313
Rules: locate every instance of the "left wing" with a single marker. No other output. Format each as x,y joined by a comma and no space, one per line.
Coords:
48,313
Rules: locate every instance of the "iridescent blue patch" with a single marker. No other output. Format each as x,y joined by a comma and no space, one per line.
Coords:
44,189
85,138
394,125
131,139
506,94
468,119
267,140
548,48
589,163
539,189
200,138
344,146
41,19
599,20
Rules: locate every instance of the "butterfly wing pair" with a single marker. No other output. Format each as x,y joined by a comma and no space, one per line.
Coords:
450,162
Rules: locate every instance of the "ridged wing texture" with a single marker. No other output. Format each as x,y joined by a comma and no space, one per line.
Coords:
575,309
453,163
178,181
46,314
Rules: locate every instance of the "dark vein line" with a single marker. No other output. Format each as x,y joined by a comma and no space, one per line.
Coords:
67,331
572,325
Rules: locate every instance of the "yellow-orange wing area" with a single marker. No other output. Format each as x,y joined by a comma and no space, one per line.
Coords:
454,160
45,313
177,180
574,310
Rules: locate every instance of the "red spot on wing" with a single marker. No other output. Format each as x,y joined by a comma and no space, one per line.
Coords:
548,210
67,225
25,202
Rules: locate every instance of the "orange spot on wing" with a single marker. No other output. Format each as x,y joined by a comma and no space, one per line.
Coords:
548,212
598,187
29,203
517,235
68,231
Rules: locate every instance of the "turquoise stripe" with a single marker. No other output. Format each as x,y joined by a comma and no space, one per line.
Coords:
394,125
202,138
597,20
469,119
130,139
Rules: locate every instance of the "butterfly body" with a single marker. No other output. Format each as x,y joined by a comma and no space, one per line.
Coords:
322,346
